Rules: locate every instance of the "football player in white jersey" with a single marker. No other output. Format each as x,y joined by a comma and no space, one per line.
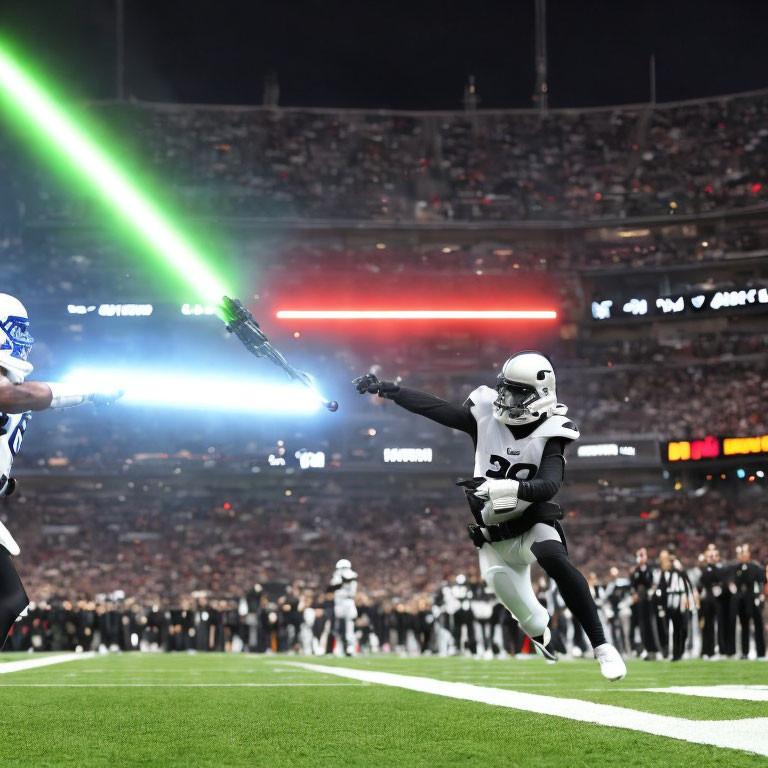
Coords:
18,398
519,431
344,587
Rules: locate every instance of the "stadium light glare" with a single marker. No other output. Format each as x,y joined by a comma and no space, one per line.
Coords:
188,390
29,104
414,314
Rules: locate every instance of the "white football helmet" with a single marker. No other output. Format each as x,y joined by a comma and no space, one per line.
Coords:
15,341
526,387
343,565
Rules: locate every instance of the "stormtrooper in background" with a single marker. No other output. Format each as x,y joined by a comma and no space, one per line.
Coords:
483,602
519,433
444,606
617,606
463,620
18,398
344,588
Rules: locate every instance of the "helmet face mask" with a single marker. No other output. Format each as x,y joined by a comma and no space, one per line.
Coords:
514,398
17,335
526,387
15,339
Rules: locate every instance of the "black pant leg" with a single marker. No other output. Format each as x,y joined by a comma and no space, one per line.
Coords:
645,620
708,614
679,632
553,558
744,613
661,617
757,616
13,598
723,626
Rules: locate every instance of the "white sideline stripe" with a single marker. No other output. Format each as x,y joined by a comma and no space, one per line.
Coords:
182,685
20,666
748,735
740,692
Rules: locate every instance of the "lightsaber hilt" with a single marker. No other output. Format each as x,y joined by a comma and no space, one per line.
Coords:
242,324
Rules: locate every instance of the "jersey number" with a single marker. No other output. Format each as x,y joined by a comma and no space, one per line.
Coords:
508,471
14,441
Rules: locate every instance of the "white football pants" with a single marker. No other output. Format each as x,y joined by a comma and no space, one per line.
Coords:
506,568
345,614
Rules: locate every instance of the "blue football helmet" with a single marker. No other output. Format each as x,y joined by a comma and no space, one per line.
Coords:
15,339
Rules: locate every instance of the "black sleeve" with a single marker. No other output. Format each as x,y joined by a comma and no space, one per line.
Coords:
448,414
549,478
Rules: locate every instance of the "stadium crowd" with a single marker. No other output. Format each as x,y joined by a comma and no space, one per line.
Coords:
175,569
73,264
620,162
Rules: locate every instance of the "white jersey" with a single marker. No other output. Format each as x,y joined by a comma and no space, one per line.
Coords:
12,428
345,583
450,601
499,455
461,595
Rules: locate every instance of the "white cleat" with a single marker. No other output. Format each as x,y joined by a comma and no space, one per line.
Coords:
541,644
611,664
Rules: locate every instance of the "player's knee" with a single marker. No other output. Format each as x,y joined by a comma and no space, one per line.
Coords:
552,556
498,579
532,617
536,622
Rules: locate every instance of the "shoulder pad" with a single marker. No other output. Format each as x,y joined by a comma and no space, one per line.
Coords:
558,426
480,398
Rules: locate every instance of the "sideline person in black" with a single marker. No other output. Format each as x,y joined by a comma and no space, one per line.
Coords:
642,578
750,581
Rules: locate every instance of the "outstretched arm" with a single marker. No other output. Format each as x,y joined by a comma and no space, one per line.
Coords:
29,396
448,414
39,395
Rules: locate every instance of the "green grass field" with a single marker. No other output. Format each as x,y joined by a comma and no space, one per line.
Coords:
242,710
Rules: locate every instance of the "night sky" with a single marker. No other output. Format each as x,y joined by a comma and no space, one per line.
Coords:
409,55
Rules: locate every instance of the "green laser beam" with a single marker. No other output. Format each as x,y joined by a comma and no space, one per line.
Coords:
40,111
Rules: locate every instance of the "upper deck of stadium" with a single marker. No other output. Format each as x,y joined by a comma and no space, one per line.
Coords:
489,168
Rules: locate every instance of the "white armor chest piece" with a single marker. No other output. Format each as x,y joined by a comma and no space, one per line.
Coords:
499,455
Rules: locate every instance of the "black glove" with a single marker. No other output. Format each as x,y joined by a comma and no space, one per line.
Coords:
7,485
475,504
476,534
370,383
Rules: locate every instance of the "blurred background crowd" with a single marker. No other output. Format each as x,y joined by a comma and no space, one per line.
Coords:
612,163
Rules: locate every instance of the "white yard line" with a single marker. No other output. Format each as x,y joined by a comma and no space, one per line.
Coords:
749,735
46,661
182,685
740,692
